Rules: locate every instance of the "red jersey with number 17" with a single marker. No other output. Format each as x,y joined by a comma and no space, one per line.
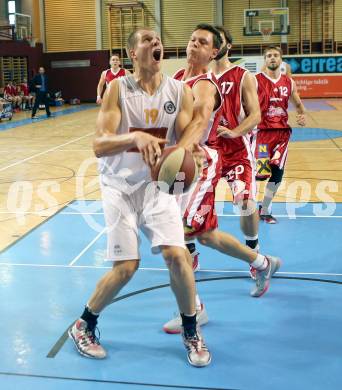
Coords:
233,113
274,95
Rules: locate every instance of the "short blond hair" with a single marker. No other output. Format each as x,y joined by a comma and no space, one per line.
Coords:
132,39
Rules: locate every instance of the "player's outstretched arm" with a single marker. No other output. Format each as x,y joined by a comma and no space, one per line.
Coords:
100,86
185,114
205,96
183,120
297,102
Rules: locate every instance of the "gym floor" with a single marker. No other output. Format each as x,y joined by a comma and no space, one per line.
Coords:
53,244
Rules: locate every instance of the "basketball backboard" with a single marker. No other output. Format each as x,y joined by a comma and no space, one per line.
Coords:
257,20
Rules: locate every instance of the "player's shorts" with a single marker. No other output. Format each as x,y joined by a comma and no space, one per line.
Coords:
238,168
156,213
271,149
198,204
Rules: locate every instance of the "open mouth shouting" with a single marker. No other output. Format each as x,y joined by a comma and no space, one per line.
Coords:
157,55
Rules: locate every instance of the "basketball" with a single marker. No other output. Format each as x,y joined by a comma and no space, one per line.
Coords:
176,170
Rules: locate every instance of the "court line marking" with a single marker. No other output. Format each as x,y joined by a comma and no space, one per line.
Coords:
113,381
317,148
42,214
92,242
44,152
91,150
63,338
37,150
290,216
219,271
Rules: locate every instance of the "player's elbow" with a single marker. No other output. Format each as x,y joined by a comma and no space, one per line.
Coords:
98,147
257,118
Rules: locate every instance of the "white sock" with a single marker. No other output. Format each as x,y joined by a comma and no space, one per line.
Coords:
260,263
251,238
198,303
91,311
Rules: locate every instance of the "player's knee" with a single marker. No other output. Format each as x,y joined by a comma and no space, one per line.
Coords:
277,174
174,257
247,207
126,269
206,238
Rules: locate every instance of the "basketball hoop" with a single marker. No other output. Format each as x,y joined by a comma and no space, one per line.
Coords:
266,33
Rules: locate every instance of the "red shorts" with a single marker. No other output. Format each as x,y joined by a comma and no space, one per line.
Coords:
271,149
238,167
198,204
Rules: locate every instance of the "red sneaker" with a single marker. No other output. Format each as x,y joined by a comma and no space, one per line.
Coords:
268,218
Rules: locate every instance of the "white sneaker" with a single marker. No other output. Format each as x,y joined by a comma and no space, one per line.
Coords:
198,353
174,326
263,278
85,340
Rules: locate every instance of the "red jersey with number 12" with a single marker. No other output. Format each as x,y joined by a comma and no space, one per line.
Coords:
274,95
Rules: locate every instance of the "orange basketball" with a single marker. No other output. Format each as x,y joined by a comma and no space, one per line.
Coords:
175,170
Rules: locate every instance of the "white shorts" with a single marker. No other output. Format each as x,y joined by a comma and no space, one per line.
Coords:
156,213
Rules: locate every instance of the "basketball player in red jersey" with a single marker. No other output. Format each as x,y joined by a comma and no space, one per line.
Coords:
110,74
275,90
240,115
200,218
25,94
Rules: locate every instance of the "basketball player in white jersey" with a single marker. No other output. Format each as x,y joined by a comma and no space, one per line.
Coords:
108,75
139,114
200,218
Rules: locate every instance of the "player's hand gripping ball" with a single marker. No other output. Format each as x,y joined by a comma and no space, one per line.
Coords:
175,170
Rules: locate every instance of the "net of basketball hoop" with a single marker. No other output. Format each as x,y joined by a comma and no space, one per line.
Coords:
266,33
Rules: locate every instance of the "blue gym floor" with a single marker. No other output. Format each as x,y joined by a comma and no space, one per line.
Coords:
288,339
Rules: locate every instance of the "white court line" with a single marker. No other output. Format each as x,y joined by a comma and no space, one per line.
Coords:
158,269
73,261
291,216
36,150
46,151
91,150
41,213
293,148
44,212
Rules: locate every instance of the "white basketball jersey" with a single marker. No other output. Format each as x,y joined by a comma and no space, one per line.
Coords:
155,115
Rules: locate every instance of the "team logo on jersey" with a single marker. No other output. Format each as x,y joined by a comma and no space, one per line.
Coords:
169,107
274,113
263,150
